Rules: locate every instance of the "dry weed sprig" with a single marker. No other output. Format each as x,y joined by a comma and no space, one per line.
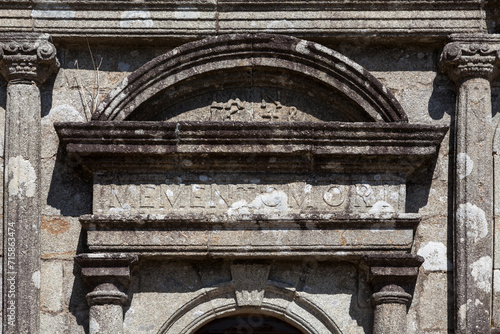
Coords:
96,88
84,91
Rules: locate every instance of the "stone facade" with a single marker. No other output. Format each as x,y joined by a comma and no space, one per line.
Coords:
250,166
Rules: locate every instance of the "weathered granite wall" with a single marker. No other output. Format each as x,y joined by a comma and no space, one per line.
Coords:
410,72
407,65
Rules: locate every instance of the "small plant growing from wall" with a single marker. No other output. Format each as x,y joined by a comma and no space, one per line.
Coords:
89,96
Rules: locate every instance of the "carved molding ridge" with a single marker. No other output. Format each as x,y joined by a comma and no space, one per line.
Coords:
391,297
27,57
471,56
106,297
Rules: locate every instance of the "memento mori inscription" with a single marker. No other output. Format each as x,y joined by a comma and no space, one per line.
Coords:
242,194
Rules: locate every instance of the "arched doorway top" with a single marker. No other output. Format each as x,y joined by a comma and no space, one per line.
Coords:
284,303
293,65
248,323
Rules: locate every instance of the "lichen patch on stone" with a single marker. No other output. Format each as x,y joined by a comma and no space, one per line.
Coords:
465,165
22,177
35,278
136,19
435,255
474,219
481,272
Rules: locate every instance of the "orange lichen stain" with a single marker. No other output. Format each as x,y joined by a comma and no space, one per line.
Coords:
54,225
342,240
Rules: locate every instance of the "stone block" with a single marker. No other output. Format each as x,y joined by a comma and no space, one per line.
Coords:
432,298
60,237
74,290
78,321
170,20
53,324
52,283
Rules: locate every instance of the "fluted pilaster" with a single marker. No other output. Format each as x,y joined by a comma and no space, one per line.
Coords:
26,61
472,62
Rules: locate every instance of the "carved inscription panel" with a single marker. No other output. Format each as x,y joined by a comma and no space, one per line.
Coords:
260,104
243,194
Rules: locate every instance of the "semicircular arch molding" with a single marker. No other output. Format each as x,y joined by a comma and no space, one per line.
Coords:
301,67
282,303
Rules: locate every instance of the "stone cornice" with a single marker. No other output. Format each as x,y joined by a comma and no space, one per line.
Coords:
401,4
27,57
471,56
153,22
357,147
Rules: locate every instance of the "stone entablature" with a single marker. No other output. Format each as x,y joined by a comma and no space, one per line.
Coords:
372,148
350,213
190,188
148,22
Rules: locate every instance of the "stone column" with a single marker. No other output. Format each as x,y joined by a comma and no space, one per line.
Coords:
26,61
472,62
108,275
393,278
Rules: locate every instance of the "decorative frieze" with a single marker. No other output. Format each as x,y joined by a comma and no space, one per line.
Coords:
245,193
259,103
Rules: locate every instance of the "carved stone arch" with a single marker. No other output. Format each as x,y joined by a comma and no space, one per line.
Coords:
345,89
284,303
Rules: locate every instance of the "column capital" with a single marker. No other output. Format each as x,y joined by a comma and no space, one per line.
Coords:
471,56
27,57
392,276
108,275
